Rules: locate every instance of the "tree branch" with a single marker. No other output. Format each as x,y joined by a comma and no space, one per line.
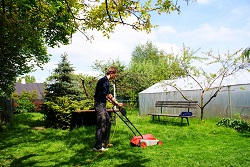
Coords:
196,81
217,91
181,93
69,9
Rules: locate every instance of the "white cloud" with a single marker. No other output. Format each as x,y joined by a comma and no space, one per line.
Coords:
82,53
211,33
240,11
204,1
165,30
168,47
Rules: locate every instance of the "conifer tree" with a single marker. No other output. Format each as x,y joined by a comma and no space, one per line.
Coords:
62,83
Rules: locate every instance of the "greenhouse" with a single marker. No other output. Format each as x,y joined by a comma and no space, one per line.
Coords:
233,100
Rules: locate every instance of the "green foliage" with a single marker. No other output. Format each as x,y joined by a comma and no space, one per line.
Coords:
27,78
62,82
120,82
148,66
238,125
24,105
25,101
66,105
86,84
246,55
28,27
63,96
58,113
2,118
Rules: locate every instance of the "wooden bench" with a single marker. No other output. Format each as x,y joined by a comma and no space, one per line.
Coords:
175,104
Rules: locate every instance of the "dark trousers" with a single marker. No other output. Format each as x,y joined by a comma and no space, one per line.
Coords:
103,125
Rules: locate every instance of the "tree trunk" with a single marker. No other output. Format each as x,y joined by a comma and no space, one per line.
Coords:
202,112
3,6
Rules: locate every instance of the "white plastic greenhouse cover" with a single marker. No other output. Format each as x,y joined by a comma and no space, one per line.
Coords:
232,100
187,83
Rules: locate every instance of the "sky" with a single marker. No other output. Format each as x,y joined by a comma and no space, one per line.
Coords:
217,25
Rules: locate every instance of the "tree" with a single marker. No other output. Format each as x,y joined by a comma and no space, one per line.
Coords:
246,55
28,27
122,73
63,96
27,78
61,82
228,65
86,84
148,66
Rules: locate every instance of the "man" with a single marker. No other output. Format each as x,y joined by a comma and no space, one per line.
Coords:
102,94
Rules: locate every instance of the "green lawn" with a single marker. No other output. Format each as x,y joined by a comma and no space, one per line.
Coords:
200,144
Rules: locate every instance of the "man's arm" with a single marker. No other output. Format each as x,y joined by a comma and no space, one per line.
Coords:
112,100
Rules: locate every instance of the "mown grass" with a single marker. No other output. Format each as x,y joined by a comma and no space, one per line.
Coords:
200,144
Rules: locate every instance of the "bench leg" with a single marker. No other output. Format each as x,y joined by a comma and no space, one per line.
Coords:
187,121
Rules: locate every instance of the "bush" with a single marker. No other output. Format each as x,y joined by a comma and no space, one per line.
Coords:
58,113
238,125
25,102
24,105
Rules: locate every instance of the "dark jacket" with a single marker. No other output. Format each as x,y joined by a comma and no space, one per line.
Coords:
102,90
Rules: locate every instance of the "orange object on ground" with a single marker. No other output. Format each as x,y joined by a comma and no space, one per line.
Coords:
145,140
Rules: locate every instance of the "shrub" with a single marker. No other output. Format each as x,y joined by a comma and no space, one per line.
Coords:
24,105
58,113
24,102
238,125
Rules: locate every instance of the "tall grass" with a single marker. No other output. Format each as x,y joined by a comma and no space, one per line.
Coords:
200,144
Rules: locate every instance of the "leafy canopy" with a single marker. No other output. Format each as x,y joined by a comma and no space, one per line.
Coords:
148,66
27,27
27,78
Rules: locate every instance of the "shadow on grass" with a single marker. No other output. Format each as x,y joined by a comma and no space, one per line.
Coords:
126,157
78,143
173,122
26,119
18,162
119,155
245,134
19,128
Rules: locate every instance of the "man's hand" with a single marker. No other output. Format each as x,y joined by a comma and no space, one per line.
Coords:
120,104
112,100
